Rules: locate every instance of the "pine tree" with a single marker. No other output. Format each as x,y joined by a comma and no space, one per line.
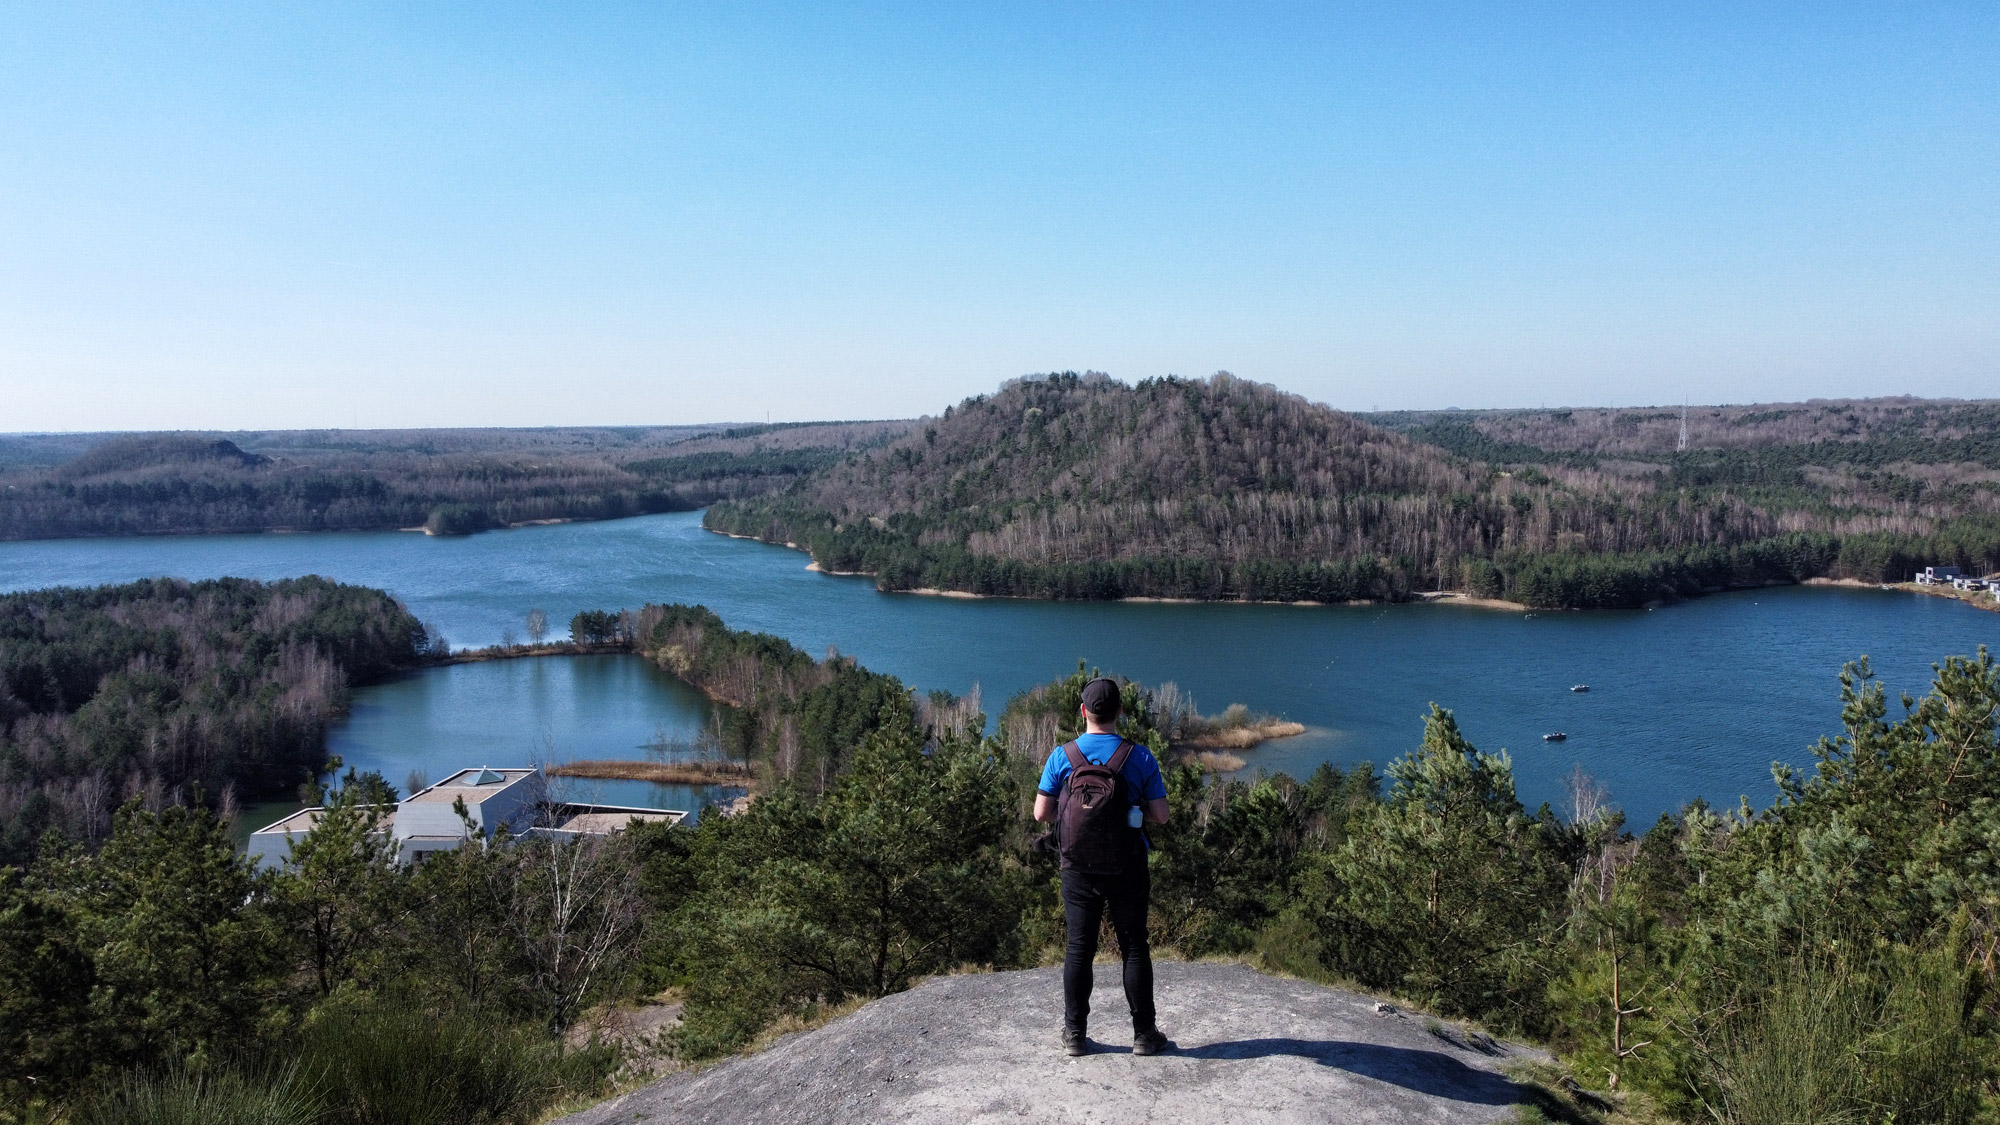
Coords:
1447,890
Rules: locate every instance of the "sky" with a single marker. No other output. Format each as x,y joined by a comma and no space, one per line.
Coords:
248,216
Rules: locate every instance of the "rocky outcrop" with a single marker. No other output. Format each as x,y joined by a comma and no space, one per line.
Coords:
1249,1048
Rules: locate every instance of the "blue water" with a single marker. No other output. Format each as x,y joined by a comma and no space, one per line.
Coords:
545,711
1687,700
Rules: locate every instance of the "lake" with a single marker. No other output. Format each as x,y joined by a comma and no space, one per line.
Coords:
1689,700
543,710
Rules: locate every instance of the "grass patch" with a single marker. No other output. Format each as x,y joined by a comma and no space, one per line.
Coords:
182,1095
817,1016
383,1065
1551,1095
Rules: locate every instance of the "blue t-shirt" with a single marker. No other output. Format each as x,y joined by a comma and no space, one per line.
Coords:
1142,771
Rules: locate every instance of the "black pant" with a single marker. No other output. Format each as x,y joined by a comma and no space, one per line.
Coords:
1085,898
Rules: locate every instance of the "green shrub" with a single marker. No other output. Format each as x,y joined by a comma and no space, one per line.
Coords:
1831,1043
183,1096
380,1064
1289,944
896,874
1922,1061
1793,1059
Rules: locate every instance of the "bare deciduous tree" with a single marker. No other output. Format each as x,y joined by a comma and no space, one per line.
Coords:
1588,798
574,913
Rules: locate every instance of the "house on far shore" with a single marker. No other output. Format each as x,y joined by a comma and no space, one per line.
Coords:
428,821
1937,575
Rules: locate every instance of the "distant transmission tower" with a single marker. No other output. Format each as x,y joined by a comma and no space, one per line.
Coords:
1683,446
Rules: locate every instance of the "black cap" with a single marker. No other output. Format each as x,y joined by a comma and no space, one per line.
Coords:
1100,698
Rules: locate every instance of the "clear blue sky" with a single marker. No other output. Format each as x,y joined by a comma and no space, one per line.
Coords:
260,215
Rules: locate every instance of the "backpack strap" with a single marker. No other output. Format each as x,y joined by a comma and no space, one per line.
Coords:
1076,759
1118,757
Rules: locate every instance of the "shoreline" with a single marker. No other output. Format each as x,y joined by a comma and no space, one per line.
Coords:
362,529
549,522
524,652
1980,601
1425,597
1439,597
1429,598
1453,597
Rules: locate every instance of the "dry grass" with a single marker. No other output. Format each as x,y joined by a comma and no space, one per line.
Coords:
624,1083
818,1016
1217,761
640,1033
1245,736
667,773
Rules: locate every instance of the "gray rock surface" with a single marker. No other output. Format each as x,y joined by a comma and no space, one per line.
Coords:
1250,1048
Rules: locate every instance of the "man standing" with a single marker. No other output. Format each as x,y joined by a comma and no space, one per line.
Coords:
1099,789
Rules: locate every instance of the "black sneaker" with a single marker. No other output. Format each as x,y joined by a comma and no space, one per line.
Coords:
1075,1043
1150,1042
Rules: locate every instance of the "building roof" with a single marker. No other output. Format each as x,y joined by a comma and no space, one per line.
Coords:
302,821
605,823
474,786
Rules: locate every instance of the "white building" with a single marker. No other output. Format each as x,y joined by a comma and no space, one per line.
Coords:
601,820
429,821
1937,575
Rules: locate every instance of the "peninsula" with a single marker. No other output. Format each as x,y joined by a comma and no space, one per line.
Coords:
1080,486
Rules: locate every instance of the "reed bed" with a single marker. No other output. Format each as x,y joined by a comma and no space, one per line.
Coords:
665,773
1245,736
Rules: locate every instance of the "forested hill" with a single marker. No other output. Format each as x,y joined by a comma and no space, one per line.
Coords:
451,481
176,691
1076,486
1862,433
1084,487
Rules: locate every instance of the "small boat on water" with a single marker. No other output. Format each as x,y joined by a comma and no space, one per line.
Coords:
1557,736
1581,687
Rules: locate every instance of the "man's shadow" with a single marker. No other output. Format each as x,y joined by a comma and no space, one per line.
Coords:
1426,1072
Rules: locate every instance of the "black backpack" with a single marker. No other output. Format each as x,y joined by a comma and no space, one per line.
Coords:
1096,838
